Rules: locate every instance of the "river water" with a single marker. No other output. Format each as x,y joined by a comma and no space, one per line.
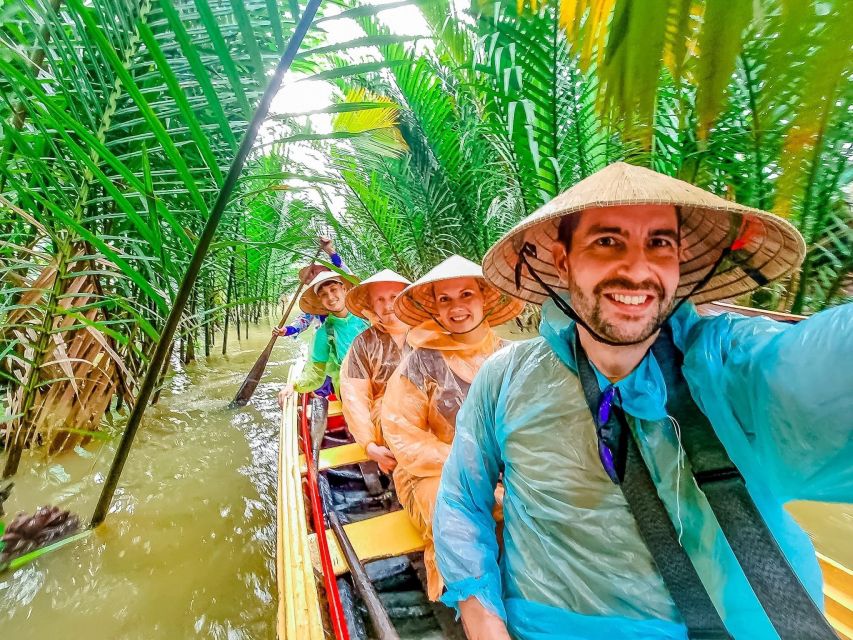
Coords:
189,549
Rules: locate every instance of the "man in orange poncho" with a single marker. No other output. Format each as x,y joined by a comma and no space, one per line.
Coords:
371,360
452,310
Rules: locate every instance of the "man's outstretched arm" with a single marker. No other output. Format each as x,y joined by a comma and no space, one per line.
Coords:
790,388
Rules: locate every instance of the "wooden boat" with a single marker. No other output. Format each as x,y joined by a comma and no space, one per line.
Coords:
838,593
383,533
716,308
379,530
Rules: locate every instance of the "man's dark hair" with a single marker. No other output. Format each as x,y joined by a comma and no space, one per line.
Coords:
568,225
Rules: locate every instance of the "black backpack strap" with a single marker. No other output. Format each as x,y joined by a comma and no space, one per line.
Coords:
791,610
653,522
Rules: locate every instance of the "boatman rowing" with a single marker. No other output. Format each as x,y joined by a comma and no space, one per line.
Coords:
647,452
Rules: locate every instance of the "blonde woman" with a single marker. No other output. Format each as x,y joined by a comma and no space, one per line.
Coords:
452,310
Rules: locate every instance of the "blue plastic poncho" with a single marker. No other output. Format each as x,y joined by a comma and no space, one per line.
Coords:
573,565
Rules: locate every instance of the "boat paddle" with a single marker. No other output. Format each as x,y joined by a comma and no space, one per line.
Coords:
244,393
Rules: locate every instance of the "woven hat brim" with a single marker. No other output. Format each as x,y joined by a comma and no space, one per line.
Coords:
309,301
417,303
358,298
774,251
308,273
770,247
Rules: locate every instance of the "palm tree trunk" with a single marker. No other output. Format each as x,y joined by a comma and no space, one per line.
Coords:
207,318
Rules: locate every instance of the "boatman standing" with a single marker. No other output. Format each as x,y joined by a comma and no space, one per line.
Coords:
647,452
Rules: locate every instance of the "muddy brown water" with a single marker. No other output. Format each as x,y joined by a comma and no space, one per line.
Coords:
189,548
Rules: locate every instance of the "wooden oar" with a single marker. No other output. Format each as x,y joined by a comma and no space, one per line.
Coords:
376,610
244,394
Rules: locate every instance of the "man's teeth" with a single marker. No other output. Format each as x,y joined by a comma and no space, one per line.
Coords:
629,299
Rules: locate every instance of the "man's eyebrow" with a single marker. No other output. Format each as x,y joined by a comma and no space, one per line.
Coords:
666,233
597,229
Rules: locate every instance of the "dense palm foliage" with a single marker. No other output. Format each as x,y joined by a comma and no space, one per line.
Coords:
119,116
516,101
118,119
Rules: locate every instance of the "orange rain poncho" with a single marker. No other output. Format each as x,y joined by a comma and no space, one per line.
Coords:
419,420
368,365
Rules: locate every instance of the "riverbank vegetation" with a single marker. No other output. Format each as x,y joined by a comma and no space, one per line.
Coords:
120,117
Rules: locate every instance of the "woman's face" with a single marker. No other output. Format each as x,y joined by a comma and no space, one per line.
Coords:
459,303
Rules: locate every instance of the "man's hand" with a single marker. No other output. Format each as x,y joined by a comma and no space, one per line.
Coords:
284,394
382,456
326,244
480,623
279,331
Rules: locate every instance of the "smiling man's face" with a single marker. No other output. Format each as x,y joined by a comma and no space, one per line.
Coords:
333,297
622,269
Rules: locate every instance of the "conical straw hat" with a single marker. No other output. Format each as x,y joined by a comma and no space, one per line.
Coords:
309,301
358,299
309,272
764,247
417,303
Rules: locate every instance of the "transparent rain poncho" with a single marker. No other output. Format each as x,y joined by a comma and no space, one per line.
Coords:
372,358
331,343
419,420
572,564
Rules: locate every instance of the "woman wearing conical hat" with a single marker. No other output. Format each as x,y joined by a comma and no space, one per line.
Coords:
605,428
452,310
372,358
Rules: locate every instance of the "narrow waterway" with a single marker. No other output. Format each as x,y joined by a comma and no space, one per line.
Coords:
189,550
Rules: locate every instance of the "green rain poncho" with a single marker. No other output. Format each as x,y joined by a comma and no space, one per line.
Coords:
331,343
573,564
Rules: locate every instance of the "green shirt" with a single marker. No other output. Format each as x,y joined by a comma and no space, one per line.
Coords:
331,343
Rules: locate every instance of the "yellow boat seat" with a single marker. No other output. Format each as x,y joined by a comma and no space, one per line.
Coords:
335,408
386,536
336,457
838,593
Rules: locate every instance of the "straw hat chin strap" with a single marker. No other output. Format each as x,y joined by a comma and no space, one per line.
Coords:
529,249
